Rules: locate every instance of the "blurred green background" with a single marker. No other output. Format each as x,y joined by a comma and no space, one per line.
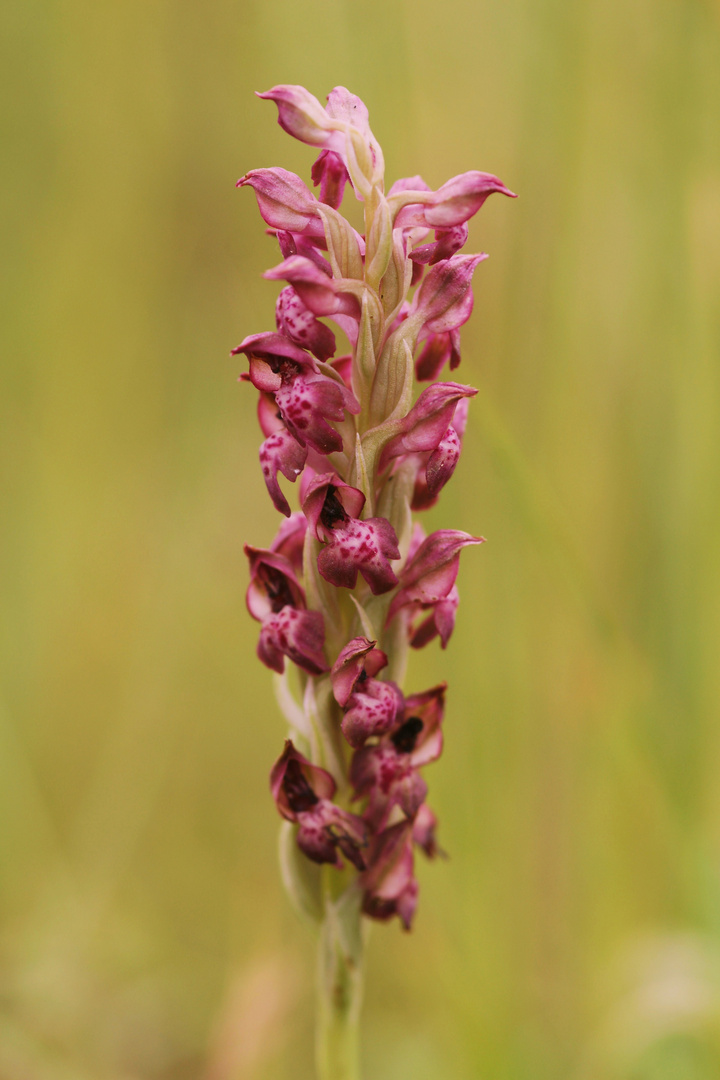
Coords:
574,934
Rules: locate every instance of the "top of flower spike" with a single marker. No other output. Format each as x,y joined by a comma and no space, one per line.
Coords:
341,127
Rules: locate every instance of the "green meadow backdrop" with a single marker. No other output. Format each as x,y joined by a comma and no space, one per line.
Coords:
574,932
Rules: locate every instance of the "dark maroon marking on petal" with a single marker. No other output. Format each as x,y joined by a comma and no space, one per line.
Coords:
406,736
333,513
300,795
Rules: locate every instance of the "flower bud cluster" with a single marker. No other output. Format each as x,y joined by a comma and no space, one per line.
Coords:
349,584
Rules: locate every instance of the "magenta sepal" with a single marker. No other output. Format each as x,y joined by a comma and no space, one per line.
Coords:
423,832
443,461
284,201
351,545
276,599
303,793
301,115
443,345
389,885
318,292
297,322
442,299
290,539
330,173
435,469
297,244
387,772
454,203
360,658
426,424
437,350
447,243
429,576
461,197
349,109
273,357
440,622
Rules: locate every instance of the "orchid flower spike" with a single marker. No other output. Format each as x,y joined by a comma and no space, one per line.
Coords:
348,585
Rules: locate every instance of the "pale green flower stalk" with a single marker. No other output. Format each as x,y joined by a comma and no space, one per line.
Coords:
348,584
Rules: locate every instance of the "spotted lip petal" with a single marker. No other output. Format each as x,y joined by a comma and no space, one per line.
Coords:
372,710
443,461
436,469
306,398
297,635
298,323
388,779
351,545
386,773
281,452
424,495
365,547
307,402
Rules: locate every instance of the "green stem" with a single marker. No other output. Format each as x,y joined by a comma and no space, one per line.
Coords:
340,979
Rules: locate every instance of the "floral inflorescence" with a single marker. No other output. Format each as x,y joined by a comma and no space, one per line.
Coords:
349,584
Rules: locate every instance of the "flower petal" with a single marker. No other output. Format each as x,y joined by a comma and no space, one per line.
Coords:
281,453
365,546
298,323
359,657
299,635
442,300
296,784
330,173
283,200
301,115
373,710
